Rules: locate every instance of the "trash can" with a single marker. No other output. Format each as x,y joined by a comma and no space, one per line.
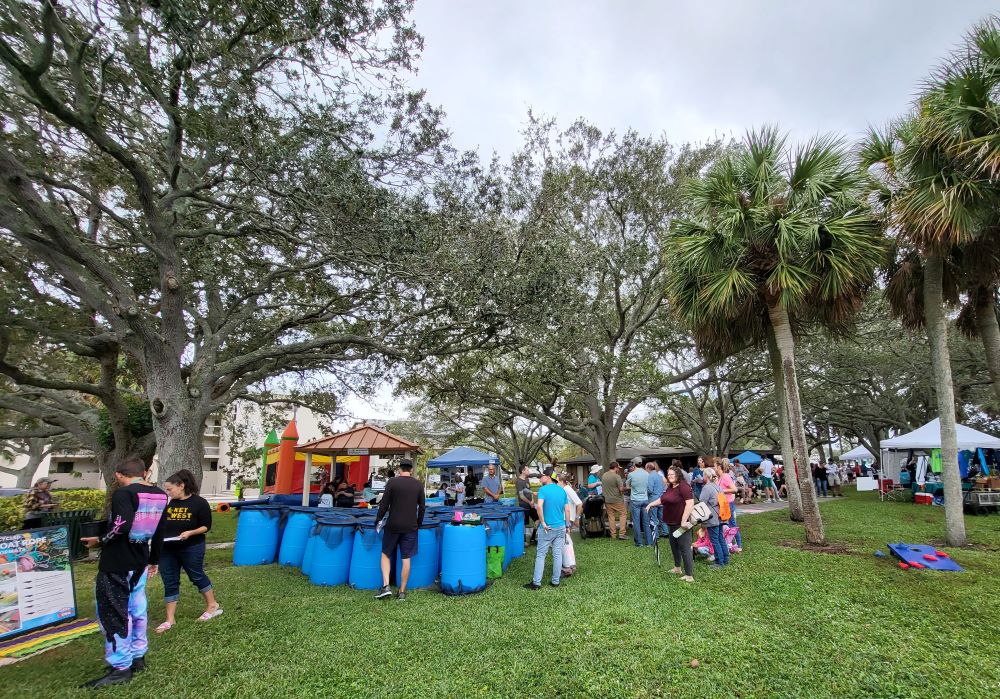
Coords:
73,520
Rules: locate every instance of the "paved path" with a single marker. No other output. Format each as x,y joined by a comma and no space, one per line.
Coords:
759,507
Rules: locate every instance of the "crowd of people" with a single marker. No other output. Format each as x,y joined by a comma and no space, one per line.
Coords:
647,499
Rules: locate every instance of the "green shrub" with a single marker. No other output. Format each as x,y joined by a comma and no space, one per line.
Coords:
12,508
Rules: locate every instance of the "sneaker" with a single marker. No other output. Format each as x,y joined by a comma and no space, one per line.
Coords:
552,584
386,591
400,596
532,586
711,559
138,665
112,676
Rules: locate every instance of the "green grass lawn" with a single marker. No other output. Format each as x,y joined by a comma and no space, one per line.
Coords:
223,527
780,622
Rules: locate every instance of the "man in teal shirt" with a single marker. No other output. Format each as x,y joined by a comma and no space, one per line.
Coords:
553,515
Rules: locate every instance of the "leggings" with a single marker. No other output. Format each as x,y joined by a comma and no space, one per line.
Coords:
680,547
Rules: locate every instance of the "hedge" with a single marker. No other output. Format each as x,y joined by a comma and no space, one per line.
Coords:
12,508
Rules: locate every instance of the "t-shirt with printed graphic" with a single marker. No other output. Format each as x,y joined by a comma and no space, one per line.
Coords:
135,514
183,516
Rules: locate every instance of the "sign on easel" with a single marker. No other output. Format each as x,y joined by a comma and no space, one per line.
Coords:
36,580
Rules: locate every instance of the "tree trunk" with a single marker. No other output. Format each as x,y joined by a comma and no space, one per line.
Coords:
937,337
786,349
36,455
787,455
989,333
179,422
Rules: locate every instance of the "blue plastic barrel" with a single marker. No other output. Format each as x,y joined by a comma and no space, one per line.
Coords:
434,502
331,559
426,565
463,559
298,527
366,558
515,536
257,535
497,532
310,552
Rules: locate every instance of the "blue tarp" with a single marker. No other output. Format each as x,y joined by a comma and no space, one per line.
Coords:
749,457
463,456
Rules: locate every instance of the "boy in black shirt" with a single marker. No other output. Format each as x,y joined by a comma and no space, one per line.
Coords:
120,587
403,500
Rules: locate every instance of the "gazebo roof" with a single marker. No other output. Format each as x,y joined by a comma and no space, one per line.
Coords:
374,439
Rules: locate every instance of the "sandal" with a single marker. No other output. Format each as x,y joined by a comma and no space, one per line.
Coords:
210,615
164,627
687,578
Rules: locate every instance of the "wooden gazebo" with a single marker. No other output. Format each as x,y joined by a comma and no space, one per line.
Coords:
361,442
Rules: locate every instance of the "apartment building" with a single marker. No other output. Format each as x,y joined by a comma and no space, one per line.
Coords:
220,448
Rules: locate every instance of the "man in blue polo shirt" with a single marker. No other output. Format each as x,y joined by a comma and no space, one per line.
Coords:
553,515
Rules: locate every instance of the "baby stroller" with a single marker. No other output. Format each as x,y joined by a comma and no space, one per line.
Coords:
593,522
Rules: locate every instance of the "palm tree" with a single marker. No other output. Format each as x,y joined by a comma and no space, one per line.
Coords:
933,179
777,241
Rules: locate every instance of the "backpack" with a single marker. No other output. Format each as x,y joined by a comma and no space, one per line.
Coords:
724,512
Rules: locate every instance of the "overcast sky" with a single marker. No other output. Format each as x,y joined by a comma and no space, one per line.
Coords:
690,70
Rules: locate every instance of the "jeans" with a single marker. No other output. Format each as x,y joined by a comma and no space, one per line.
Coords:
682,552
552,538
121,614
640,523
192,560
821,487
656,521
732,523
719,545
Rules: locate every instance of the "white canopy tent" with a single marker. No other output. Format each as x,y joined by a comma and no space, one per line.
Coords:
857,454
927,438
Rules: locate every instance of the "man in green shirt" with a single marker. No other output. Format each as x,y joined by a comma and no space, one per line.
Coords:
614,500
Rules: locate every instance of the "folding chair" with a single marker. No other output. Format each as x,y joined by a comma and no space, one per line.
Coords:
886,489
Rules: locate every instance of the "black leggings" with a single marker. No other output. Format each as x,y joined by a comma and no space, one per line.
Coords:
680,547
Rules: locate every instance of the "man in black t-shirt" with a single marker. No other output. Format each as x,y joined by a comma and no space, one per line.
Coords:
403,499
120,586
525,498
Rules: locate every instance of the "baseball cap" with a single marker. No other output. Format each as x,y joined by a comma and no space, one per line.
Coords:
636,459
45,480
595,468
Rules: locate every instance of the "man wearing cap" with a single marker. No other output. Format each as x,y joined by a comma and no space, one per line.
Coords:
614,500
37,502
403,507
637,483
594,481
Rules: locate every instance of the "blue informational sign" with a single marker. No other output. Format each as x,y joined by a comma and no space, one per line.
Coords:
36,580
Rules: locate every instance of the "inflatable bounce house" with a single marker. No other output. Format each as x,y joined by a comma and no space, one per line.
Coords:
346,454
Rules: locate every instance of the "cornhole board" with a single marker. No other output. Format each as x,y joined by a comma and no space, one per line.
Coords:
914,553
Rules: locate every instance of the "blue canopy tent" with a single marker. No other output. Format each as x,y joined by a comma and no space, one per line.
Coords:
466,457
749,458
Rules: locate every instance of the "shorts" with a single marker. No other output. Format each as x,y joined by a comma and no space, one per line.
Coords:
766,482
834,479
407,542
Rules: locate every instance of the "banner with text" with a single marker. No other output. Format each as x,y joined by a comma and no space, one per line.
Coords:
36,580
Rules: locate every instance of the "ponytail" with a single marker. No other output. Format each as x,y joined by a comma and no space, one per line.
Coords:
185,479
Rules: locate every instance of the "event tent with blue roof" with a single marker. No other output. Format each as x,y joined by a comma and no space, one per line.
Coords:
463,456
750,457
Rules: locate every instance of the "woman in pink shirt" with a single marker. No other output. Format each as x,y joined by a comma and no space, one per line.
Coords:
728,485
